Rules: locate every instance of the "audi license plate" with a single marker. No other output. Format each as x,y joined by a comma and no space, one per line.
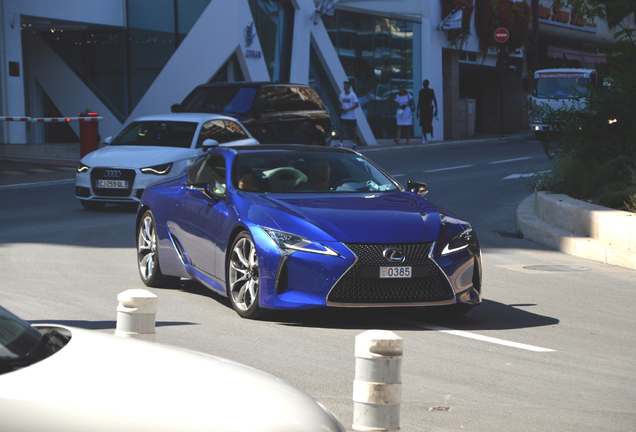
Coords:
395,272
112,184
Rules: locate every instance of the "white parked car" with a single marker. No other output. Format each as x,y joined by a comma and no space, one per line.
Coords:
150,149
62,379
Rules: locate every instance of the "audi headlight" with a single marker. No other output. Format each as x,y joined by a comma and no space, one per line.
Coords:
82,168
162,169
461,241
287,241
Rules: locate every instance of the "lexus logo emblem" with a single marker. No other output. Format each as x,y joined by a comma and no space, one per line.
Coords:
393,255
112,173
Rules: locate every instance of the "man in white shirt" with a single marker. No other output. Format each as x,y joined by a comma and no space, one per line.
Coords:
348,104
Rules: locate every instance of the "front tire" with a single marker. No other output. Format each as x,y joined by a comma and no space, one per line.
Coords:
148,255
243,283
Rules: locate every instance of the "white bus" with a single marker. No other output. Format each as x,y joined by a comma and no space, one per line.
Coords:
557,88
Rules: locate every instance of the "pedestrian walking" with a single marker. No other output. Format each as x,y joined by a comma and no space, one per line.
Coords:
348,120
425,110
404,116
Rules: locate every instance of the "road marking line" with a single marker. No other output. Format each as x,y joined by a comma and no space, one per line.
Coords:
484,338
516,176
27,185
450,168
510,160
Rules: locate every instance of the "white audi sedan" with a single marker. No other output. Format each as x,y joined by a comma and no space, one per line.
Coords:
62,379
150,149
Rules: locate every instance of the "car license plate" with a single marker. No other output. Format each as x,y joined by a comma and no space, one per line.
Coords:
112,184
400,272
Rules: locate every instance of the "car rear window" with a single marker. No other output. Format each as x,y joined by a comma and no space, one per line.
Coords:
157,133
221,100
286,98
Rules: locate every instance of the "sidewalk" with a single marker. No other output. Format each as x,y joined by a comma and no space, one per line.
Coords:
579,228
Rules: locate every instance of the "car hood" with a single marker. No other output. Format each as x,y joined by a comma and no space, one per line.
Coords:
355,218
99,382
137,156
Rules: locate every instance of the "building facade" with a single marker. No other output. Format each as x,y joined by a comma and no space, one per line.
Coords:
127,58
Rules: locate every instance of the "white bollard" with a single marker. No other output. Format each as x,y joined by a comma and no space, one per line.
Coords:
377,389
136,314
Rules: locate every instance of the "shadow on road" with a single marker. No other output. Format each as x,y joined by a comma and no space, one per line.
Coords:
490,315
104,325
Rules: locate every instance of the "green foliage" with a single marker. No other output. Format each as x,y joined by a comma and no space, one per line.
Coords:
592,147
631,206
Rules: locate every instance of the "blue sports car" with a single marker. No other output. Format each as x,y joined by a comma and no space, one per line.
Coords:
298,227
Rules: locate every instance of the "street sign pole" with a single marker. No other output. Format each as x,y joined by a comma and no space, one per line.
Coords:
501,36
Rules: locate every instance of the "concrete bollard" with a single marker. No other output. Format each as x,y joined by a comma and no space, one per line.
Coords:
377,389
136,314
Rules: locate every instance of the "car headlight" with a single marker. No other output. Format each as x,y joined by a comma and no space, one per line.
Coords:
287,241
461,241
82,168
162,169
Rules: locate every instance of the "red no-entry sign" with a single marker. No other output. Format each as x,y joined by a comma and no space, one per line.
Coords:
501,35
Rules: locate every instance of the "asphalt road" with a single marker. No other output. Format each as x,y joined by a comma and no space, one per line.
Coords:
551,348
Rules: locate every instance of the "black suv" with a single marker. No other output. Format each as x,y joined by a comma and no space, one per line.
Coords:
271,112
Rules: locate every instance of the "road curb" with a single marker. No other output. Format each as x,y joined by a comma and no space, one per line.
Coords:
579,228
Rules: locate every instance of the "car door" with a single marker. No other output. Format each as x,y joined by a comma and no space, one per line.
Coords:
201,214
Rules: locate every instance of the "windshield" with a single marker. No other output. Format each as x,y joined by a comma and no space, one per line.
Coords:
308,172
157,133
22,345
560,85
221,100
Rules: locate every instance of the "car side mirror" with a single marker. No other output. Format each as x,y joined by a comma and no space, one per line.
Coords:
418,188
108,140
209,143
175,108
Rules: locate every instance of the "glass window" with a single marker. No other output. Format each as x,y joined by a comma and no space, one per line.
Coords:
234,131
188,12
560,85
274,22
213,129
209,169
297,99
221,100
377,54
101,58
157,133
314,172
222,131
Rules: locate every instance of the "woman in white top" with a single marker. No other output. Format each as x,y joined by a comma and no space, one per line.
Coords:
404,116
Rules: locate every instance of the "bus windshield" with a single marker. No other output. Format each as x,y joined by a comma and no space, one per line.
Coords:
560,85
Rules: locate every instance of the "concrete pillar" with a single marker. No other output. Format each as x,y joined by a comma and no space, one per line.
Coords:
377,389
136,314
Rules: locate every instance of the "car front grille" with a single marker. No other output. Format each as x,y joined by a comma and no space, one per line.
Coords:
362,285
112,174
